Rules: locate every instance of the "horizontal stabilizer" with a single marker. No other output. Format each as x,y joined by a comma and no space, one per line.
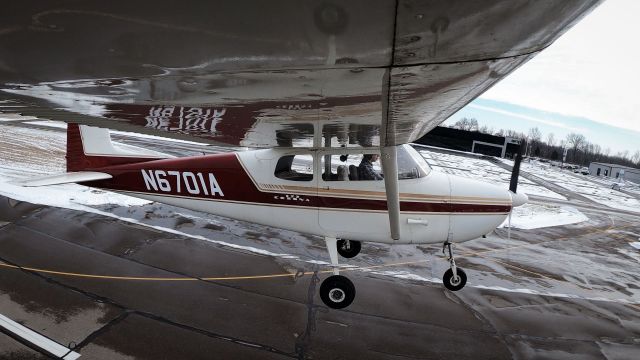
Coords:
72,177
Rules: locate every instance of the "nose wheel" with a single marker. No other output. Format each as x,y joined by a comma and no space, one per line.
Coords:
454,279
348,248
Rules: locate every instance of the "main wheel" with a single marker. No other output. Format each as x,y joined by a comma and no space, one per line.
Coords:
454,284
348,248
337,292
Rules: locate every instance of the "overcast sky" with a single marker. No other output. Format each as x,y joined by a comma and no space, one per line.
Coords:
591,72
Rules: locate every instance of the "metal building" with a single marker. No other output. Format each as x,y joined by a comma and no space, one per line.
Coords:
471,141
615,171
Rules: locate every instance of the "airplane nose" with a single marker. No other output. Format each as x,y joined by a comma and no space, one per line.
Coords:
518,199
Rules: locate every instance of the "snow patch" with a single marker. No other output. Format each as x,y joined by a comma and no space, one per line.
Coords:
635,244
534,216
551,294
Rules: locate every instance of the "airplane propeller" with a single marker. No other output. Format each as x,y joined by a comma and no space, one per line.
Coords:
517,199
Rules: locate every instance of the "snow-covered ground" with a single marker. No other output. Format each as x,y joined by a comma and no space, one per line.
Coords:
609,183
536,216
26,153
598,191
480,169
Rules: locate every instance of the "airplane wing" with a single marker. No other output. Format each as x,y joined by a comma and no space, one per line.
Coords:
257,73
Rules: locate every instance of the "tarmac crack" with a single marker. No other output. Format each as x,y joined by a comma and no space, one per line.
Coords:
91,337
237,341
499,335
302,342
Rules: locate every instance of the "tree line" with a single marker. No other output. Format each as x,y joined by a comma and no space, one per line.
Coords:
580,150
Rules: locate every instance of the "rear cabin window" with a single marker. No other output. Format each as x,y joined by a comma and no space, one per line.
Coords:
295,168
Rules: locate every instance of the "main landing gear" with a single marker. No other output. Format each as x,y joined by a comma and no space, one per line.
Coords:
454,279
337,291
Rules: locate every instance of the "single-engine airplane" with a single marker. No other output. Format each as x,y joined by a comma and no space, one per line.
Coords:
334,193
319,89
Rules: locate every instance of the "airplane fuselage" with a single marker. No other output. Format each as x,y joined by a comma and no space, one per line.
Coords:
434,207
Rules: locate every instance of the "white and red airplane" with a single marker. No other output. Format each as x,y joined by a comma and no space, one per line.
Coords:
334,193
317,86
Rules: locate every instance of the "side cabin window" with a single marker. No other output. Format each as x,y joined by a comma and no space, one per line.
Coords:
295,168
352,167
367,166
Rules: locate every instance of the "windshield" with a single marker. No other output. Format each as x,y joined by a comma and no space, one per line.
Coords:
411,165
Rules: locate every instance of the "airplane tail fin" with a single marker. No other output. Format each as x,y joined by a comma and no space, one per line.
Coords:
90,148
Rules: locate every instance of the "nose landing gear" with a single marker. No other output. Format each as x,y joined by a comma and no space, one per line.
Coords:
454,279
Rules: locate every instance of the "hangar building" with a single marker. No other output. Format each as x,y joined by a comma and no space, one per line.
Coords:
471,141
615,171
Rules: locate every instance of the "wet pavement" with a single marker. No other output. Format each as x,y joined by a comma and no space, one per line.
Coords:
283,317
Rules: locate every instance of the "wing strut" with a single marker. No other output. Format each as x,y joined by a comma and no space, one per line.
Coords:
390,170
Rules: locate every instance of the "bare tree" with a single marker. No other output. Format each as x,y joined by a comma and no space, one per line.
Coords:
625,154
473,125
514,134
462,124
535,135
575,141
551,139
466,124
636,158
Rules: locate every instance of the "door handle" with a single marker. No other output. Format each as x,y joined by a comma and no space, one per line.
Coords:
418,222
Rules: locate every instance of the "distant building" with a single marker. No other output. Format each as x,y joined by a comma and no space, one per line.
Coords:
471,141
615,171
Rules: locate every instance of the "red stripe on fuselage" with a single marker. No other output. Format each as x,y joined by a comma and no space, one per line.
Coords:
237,185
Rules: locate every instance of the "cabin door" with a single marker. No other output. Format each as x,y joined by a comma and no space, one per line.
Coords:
346,204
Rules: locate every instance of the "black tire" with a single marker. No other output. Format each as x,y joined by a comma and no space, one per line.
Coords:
337,292
354,248
448,282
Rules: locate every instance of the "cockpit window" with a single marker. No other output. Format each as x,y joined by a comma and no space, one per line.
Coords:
295,168
357,167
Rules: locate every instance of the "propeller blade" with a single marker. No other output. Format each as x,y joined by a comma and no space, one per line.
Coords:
515,173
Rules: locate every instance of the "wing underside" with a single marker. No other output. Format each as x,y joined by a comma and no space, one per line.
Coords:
264,74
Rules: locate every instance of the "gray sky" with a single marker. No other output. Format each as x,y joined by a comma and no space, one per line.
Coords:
592,71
